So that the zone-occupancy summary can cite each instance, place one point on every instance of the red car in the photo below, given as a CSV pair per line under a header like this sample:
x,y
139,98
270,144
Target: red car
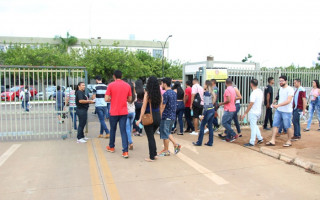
x,y
14,92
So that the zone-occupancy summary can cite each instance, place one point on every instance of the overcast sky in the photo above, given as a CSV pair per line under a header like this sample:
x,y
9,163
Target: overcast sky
x,y
275,32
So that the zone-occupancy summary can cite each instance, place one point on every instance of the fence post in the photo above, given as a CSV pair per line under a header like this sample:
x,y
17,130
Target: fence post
x,y
87,93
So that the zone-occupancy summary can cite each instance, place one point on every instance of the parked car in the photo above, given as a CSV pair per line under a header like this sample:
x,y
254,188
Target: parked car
x,y
14,93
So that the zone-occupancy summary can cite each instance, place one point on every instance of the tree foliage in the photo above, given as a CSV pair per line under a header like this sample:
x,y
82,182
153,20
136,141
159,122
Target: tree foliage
x,y
98,60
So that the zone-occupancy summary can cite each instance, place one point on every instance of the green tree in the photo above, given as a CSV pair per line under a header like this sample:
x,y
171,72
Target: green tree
x,y
67,42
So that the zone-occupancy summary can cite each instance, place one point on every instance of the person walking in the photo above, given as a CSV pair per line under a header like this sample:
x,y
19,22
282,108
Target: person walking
x,y
25,97
118,94
229,110
187,110
235,116
131,115
196,104
209,99
216,105
168,115
71,102
283,113
254,110
180,107
99,93
299,107
314,103
59,97
138,105
82,103
152,96
268,96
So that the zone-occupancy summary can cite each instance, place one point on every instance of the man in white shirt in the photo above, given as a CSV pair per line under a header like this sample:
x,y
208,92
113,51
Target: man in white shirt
x,y
283,113
254,110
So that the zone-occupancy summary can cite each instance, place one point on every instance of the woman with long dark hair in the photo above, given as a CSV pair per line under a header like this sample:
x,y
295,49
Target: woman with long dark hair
x,y
180,106
152,96
131,115
82,103
314,104
209,98
138,104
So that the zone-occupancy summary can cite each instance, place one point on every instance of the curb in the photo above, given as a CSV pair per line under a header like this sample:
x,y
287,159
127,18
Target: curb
x,y
289,159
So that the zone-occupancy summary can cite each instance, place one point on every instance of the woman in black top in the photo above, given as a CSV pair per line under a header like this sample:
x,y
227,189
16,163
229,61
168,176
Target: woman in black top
x,y
180,106
138,104
153,96
82,110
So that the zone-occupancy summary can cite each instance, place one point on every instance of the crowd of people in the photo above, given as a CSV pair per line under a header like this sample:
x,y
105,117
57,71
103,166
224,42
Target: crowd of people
x,y
161,105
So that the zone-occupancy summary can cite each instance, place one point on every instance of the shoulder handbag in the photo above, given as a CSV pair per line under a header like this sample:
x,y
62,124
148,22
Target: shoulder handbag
x,y
147,119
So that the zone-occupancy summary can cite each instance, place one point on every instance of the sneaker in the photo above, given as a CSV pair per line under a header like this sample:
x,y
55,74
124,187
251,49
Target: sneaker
x,y
179,133
85,138
196,144
294,138
206,130
158,132
177,149
81,141
194,133
260,141
305,130
164,153
248,145
100,136
268,129
221,136
109,149
125,154
107,136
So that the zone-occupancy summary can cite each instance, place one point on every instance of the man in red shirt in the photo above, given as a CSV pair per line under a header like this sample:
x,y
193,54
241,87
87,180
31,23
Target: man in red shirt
x,y
187,104
118,94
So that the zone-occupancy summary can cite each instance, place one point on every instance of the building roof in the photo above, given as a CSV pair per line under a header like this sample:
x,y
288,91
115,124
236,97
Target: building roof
x,y
102,42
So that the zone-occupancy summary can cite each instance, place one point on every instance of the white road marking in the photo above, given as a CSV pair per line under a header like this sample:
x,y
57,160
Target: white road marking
x,y
4,157
209,174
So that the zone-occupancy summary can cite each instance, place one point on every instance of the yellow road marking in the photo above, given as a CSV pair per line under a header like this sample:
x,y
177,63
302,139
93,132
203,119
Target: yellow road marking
x,y
96,183
107,176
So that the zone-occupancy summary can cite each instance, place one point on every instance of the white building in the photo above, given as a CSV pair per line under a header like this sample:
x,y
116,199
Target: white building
x,y
154,48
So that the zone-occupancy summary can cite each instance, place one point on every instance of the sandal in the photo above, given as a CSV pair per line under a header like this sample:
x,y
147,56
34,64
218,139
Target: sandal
x,y
287,145
270,144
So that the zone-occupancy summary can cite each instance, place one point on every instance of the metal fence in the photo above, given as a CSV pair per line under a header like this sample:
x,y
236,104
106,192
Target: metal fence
x,y
41,121
241,79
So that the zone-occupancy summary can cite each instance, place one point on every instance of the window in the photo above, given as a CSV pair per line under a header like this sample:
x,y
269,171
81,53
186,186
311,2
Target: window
x,y
157,53
2,48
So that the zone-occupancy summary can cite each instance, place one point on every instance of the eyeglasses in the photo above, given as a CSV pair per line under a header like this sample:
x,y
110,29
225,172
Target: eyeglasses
x,y
281,81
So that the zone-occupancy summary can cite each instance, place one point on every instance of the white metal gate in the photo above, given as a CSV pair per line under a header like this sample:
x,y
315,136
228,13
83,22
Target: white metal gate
x,y
41,121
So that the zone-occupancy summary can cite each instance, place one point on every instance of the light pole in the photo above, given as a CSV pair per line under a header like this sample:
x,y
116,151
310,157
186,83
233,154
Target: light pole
x,y
163,46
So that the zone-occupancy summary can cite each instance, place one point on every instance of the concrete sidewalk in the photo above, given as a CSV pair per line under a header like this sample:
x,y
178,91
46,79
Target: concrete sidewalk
x,y
63,169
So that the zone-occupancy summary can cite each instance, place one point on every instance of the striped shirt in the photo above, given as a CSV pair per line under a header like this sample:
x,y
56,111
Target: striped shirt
x,y
100,92
72,98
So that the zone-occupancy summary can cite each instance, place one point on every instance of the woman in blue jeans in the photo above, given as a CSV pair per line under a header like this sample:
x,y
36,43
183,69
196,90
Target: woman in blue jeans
x,y
314,103
131,115
209,98
180,106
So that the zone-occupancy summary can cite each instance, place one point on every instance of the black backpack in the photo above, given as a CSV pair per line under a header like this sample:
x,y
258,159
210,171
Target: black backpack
x,y
26,96
197,101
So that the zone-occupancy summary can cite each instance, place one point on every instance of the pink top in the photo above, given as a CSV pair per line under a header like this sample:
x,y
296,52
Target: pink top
x,y
314,94
196,88
162,90
230,92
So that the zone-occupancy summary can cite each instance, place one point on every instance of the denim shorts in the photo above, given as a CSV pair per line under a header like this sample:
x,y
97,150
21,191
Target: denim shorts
x,y
282,117
165,128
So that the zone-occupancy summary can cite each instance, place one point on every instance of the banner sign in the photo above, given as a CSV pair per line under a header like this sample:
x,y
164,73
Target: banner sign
x,y
219,74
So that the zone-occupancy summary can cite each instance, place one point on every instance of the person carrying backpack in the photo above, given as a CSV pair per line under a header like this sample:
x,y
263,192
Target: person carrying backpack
x,y
25,97
196,104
